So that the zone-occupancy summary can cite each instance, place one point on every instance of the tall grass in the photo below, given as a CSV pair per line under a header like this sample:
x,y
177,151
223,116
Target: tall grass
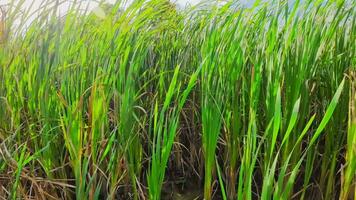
x,y
150,101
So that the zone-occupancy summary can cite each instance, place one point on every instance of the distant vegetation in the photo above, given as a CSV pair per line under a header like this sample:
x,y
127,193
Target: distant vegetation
x,y
2,23
147,101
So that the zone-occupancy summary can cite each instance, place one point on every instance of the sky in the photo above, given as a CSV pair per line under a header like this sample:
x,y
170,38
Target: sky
x,y
38,2
35,4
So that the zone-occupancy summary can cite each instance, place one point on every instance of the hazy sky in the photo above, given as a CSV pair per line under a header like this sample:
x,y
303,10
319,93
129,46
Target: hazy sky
x,y
92,3
38,2
35,4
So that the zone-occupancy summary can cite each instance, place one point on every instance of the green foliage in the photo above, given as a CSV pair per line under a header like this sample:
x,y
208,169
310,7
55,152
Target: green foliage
x,y
132,101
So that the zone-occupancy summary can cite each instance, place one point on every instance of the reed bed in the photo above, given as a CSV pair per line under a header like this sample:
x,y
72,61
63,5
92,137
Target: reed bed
x,y
150,101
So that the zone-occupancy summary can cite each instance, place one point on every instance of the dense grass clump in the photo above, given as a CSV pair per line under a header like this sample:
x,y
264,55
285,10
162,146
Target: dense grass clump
x,y
149,101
